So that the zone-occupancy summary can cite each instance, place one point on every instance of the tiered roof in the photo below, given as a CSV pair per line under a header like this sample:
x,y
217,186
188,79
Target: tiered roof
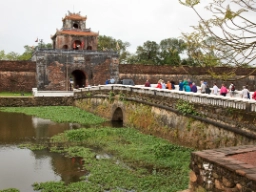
x,y
74,16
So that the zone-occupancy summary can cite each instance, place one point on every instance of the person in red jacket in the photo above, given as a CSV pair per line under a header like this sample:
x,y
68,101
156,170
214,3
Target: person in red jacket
x,y
254,95
159,85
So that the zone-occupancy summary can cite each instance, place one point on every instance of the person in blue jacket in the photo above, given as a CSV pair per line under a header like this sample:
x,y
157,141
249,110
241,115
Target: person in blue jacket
x,y
181,86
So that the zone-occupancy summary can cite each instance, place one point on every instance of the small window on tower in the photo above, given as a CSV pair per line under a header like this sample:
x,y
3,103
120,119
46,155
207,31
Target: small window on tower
x,y
75,25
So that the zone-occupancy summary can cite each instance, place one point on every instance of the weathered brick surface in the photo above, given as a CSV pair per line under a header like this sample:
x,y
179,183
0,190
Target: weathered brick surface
x,y
22,75
16,76
223,173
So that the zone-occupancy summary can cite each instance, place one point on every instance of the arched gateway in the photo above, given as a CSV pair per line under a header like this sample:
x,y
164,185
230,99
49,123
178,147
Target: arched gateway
x,y
74,54
79,78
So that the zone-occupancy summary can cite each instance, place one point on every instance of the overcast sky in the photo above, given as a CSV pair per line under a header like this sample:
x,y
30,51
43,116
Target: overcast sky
x,y
134,21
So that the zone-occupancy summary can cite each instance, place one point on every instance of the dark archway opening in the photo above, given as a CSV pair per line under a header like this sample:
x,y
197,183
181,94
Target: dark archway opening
x,y
65,47
89,48
75,25
117,118
79,79
76,44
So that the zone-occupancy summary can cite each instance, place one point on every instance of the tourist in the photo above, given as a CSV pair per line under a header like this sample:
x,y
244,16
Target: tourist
x,y
147,84
107,81
181,86
187,88
190,83
232,89
168,85
254,95
203,87
194,88
163,84
159,85
185,82
223,90
244,93
249,96
215,89
207,88
112,80
173,85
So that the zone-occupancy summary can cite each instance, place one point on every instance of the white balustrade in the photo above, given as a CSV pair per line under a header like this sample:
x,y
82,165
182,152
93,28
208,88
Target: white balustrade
x,y
209,99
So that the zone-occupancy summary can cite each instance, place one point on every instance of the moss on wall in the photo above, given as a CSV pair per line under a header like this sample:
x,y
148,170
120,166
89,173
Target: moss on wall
x,y
170,125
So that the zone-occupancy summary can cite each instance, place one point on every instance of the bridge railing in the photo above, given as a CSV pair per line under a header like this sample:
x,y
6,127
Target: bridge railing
x,y
216,100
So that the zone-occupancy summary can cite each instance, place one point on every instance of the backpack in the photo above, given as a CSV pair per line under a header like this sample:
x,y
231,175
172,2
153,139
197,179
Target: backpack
x,y
233,88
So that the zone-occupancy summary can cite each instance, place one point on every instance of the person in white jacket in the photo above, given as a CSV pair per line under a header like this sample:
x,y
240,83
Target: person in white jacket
x,y
244,93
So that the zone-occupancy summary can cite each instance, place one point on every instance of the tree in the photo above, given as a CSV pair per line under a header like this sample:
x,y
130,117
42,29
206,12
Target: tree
x,y
170,50
148,53
2,55
231,27
12,56
107,43
27,53
200,50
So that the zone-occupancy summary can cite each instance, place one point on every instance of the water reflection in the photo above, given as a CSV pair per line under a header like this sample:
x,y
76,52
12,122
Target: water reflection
x,y
20,168
16,128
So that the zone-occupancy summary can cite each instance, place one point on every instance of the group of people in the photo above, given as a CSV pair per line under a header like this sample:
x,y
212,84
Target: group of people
x,y
162,85
188,86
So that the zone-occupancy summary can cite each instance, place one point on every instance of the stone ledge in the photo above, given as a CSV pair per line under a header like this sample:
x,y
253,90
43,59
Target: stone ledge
x,y
231,167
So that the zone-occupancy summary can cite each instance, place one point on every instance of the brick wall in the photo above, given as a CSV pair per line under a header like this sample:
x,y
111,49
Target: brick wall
x,y
16,76
21,75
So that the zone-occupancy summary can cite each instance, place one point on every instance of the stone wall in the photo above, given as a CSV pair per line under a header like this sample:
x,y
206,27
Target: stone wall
x,y
35,101
55,68
97,67
17,76
140,73
214,127
223,170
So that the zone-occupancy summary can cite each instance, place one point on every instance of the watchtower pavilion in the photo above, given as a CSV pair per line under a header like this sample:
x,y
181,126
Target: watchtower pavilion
x,y
74,60
74,35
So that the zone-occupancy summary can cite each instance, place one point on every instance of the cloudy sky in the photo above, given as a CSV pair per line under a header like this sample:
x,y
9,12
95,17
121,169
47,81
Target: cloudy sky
x,y
134,21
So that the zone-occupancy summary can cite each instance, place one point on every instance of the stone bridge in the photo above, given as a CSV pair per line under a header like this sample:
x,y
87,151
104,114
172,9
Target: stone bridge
x,y
191,119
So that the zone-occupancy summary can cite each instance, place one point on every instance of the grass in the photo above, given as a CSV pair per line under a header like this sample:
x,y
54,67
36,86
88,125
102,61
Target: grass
x,y
58,114
137,162
14,94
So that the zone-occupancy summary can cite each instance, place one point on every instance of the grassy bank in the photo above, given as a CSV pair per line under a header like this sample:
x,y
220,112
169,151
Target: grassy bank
x,y
58,114
116,159
15,94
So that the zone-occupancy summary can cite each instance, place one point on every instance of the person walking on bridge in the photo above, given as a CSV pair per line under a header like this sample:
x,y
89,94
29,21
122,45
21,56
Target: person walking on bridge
x,y
159,85
215,89
181,85
223,90
147,84
203,87
254,95
244,93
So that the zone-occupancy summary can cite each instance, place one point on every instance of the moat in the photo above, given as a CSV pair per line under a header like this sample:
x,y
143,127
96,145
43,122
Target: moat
x,y
20,168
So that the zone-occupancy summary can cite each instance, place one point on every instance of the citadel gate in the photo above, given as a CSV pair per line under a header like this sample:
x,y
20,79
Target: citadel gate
x,y
74,60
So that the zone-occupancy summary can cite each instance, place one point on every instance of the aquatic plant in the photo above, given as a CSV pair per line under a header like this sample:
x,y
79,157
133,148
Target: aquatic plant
x,y
138,162
58,114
